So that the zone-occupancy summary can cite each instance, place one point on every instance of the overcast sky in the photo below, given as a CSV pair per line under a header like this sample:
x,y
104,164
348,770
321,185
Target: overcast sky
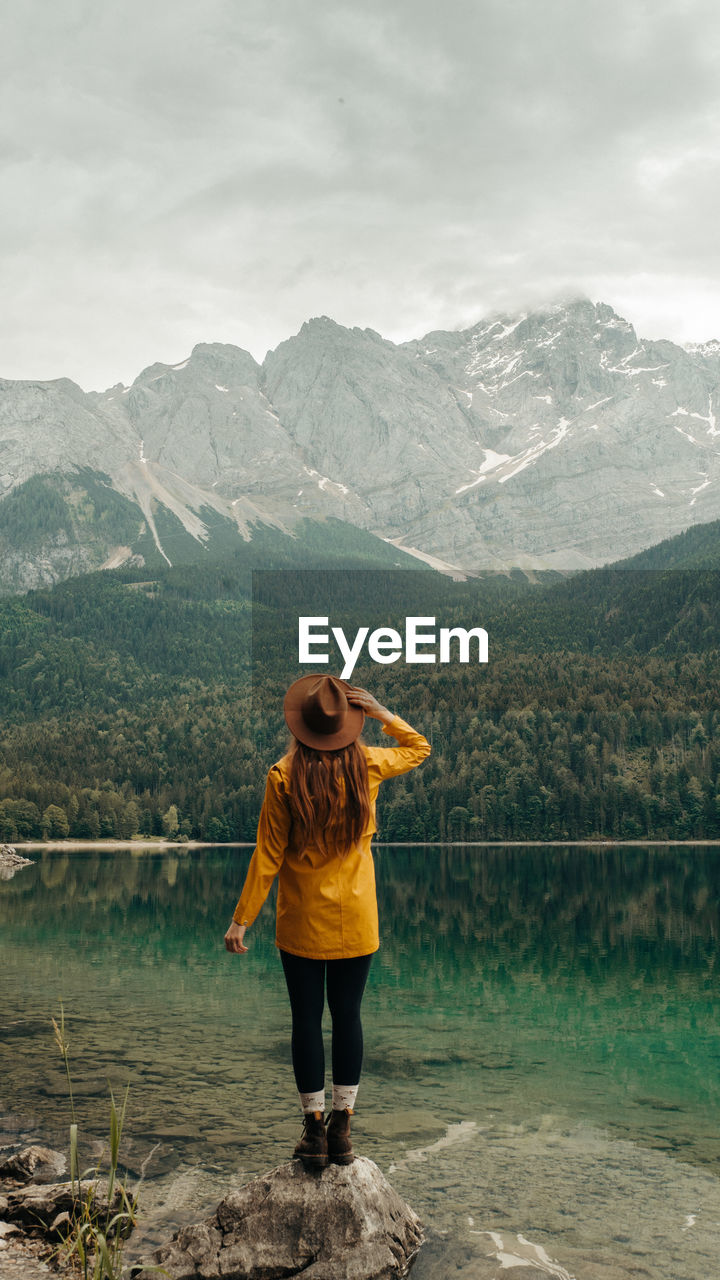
x,y
179,172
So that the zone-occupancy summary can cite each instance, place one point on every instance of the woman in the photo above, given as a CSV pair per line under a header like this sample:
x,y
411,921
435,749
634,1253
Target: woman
x,y
316,824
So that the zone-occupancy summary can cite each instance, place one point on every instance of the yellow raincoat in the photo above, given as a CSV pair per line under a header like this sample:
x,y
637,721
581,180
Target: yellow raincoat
x,y
326,904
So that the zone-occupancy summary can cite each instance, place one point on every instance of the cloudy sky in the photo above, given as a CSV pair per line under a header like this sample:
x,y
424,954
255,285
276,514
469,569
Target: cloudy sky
x,y
177,172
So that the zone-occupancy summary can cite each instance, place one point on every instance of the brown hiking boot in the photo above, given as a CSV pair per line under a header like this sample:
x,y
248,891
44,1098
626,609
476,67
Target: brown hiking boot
x,y
312,1148
338,1137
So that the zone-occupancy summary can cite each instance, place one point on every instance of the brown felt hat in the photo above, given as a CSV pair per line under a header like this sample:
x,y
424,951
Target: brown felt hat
x,y
318,713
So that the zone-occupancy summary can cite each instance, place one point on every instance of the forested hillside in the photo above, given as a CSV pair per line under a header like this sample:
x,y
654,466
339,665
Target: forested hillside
x,y
131,705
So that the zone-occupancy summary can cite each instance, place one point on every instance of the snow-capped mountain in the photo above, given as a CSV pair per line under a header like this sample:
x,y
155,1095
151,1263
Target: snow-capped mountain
x,y
554,439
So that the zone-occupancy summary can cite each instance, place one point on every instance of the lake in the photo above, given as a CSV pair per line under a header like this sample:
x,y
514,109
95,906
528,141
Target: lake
x,y
542,1044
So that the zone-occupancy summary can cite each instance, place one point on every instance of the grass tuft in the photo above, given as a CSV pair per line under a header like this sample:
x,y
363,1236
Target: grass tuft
x,y
92,1243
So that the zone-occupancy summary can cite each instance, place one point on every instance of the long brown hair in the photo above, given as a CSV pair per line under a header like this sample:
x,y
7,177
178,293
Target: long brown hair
x,y
329,796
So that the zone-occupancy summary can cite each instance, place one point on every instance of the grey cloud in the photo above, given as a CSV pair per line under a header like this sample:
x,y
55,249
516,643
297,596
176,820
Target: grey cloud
x,y
176,173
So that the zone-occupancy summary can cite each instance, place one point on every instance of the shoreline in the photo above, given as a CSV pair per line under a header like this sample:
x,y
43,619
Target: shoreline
x,y
158,846
155,846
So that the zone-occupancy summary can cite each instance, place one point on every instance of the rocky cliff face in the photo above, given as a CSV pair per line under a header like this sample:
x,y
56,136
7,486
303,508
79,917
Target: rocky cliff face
x,y
589,440
555,439
48,426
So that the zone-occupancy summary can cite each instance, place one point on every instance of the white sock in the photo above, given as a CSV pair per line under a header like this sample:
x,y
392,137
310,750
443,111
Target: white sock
x,y
344,1096
313,1101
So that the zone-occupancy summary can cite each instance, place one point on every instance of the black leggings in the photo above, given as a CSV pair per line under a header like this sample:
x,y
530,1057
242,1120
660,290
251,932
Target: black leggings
x,y
306,987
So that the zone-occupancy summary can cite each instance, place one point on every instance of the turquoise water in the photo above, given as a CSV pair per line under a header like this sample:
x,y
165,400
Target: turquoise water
x,y
542,1043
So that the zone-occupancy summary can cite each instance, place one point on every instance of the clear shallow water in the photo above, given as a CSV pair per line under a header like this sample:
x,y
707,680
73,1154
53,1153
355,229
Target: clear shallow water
x,y
542,1043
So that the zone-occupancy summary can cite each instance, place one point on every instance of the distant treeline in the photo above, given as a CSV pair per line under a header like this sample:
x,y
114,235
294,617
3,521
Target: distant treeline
x,y
128,705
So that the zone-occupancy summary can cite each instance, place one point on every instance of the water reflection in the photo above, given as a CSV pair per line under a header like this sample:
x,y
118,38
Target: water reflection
x,y
613,900
521,997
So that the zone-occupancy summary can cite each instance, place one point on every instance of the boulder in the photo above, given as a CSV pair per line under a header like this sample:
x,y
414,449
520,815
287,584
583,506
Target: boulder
x,y
33,1164
35,1213
39,1206
338,1223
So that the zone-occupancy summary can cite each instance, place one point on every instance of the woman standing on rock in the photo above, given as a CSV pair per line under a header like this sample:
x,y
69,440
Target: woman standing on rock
x,y
316,824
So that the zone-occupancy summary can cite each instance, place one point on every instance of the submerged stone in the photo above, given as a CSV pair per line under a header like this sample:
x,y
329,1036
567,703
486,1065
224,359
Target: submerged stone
x,y
338,1223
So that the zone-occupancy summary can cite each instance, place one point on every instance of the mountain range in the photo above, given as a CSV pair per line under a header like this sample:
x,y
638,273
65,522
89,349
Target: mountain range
x,y
556,439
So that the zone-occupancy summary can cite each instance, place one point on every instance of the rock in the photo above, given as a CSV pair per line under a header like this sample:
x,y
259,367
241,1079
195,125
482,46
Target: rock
x,y
24,1258
61,1224
33,1164
10,862
40,1205
340,1223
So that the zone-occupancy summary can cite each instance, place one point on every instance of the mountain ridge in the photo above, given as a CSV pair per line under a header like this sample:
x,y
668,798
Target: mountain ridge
x,y
547,439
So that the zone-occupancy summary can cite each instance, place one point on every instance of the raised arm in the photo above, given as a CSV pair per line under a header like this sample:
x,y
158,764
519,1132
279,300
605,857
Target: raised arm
x,y
272,840
389,761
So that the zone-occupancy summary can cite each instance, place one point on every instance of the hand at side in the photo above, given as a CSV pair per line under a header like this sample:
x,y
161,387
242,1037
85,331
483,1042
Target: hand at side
x,y
234,939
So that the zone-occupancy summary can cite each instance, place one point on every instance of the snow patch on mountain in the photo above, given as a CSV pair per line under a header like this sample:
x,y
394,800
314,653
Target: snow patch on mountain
x,y
324,481
492,461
